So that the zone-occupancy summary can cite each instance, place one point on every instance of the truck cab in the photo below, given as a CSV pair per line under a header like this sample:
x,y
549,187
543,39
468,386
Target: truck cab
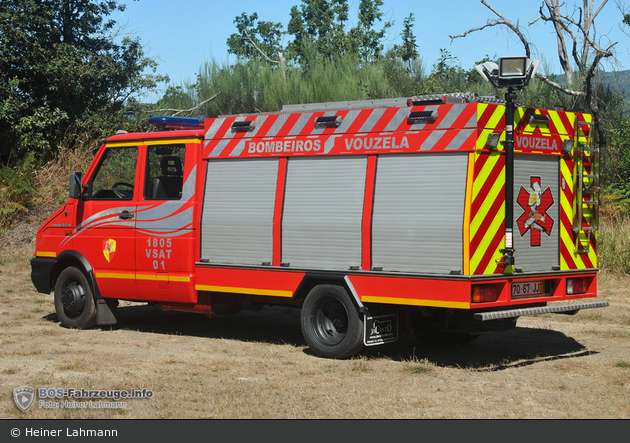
x,y
127,231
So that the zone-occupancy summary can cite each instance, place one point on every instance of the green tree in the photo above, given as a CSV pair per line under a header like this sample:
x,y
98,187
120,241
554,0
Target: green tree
x,y
447,75
59,64
321,22
255,39
408,50
366,40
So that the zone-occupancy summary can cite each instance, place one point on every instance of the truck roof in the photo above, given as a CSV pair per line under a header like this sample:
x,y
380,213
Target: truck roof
x,y
133,136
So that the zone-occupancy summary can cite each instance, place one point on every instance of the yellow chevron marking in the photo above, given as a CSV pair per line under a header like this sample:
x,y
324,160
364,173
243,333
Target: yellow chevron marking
x,y
496,257
493,122
555,118
490,234
497,117
567,206
488,167
567,239
518,114
481,215
566,235
495,225
469,191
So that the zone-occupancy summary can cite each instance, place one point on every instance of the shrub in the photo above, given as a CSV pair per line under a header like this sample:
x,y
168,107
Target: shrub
x,y
16,194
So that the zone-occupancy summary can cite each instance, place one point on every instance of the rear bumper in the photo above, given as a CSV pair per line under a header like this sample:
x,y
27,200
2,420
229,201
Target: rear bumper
x,y
559,309
41,269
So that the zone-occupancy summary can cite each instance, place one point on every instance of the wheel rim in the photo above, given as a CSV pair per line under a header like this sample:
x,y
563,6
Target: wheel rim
x,y
330,321
73,299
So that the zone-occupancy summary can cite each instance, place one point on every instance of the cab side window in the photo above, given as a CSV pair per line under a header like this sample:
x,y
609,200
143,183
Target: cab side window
x,y
165,172
115,175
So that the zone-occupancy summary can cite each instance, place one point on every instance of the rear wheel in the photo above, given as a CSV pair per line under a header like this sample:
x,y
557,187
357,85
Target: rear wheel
x,y
331,324
74,302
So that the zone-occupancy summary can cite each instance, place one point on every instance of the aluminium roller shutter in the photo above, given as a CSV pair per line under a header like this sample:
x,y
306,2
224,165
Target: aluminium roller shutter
x,y
323,209
237,218
417,223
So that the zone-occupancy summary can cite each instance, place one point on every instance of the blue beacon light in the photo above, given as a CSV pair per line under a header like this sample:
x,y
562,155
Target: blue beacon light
x,y
166,122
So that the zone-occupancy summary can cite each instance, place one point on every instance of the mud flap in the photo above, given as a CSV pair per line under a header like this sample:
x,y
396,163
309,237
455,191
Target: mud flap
x,y
106,311
380,325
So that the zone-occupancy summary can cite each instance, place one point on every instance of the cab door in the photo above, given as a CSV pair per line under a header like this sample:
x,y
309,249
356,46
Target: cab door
x,y
106,222
165,241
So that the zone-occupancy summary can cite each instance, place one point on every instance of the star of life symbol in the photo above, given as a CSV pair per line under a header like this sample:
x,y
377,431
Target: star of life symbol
x,y
535,203
24,397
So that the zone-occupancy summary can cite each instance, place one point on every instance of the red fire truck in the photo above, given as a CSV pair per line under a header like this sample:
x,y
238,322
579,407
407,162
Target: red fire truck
x,y
363,214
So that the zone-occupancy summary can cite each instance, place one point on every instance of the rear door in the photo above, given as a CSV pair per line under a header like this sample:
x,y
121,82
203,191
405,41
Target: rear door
x,y
536,212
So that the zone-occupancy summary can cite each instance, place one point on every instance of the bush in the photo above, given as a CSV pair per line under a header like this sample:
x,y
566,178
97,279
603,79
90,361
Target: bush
x,y
613,245
16,195
613,237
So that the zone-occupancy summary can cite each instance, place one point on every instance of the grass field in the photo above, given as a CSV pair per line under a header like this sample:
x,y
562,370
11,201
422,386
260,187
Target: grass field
x,y
256,364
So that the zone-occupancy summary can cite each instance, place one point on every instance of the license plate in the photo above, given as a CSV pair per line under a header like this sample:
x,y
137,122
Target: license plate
x,y
524,288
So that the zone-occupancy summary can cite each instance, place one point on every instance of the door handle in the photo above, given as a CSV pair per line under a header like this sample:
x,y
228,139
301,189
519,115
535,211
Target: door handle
x,y
125,215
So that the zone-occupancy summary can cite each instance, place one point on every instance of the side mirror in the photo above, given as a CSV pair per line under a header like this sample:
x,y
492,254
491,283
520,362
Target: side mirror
x,y
76,187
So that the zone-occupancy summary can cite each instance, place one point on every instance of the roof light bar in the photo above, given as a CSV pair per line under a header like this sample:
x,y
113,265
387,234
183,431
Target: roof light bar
x,y
538,119
423,116
244,126
426,100
164,122
329,120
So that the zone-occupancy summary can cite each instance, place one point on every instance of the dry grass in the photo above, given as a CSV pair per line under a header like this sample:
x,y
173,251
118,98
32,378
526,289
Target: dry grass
x,y
52,180
256,364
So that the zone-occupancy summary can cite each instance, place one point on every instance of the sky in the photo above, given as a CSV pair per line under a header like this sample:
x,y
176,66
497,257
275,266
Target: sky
x,y
183,34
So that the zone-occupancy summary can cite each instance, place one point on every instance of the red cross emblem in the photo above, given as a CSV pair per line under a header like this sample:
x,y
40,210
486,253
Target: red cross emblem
x,y
535,203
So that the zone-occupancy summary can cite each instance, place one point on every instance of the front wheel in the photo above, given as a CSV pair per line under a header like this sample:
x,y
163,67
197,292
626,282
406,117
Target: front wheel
x,y
74,302
331,324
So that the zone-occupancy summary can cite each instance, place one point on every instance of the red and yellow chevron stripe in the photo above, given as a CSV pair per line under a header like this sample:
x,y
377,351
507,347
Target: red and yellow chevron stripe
x,y
487,213
485,221
570,241
490,119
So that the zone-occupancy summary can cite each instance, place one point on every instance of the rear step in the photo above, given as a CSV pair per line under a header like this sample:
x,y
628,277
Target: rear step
x,y
559,309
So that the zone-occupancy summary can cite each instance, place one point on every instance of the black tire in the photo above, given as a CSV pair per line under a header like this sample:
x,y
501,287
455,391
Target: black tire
x,y
331,324
74,302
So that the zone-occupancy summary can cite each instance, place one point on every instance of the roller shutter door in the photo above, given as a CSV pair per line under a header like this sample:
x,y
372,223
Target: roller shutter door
x,y
323,208
418,213
536,245
237,218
